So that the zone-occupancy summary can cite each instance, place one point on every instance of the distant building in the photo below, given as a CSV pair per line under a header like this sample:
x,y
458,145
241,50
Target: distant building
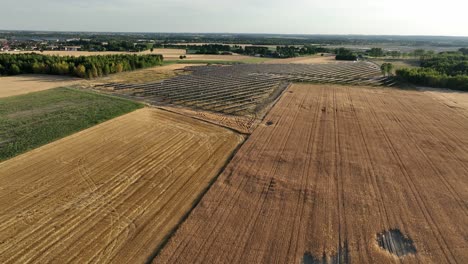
x,y
4,47
72,48
52,47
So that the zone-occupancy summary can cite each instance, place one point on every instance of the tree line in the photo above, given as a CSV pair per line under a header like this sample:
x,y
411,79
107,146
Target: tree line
x,y
444,70
345,54
278,52
83,66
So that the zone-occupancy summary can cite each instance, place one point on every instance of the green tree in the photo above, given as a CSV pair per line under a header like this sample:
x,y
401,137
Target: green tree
x,y
14,69
387,69
80,71
376,52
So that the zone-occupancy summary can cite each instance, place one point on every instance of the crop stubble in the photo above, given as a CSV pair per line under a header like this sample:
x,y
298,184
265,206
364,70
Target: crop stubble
x,y
110,193
330,170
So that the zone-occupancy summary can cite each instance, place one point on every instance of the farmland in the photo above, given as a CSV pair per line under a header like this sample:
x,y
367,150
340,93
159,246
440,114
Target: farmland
x,y
31,120
235,159
111,193
338,174
167,53
28,83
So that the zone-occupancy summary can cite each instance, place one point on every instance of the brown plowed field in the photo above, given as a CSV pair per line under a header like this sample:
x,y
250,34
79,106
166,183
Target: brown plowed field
x,y
111,193
329,173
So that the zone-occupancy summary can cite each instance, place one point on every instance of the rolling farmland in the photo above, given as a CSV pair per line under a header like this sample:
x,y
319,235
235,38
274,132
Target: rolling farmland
x,y
32,120
111,193
338,174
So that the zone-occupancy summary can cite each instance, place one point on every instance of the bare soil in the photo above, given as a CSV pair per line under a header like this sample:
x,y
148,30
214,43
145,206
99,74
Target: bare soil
x,y
331,170
111,193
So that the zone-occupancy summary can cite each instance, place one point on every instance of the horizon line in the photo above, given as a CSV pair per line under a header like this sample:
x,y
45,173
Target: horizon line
x,y
233,33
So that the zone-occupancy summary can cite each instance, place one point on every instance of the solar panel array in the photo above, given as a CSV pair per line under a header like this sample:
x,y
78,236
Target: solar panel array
x,y
244,88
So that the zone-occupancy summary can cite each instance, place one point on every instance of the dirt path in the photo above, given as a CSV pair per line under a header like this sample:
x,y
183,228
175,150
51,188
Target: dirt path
x,y
339,175
108,194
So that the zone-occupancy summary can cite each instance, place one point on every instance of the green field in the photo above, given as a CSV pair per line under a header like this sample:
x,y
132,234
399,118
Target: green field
x,y
32,120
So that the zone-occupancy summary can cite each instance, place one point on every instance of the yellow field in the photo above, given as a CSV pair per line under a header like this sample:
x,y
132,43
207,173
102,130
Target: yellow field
x,y
316,59
23,84
146,75
165,52
169,54
111,193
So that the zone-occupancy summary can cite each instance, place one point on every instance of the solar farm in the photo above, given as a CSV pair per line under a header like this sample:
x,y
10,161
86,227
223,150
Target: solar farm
x,y
245,88
248,163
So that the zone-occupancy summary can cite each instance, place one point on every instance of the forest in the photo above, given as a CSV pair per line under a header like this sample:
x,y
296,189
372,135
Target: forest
x,y
444,70
279,52
83,66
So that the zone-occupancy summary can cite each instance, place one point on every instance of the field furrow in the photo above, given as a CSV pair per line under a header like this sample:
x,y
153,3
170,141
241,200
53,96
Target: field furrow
x,y
338,174
111,193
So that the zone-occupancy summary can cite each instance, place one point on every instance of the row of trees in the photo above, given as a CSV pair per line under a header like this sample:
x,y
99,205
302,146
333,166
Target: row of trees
x,y
113,45
387,69
433,78
279,52
445,70
379,52
345,54
83,66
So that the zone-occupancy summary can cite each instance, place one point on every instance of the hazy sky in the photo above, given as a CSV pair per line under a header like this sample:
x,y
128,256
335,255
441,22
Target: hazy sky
x,y
399,17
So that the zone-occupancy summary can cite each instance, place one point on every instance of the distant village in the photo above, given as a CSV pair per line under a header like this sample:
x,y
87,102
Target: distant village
x,y
72,44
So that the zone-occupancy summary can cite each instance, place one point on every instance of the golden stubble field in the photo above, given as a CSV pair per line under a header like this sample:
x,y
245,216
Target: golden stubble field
x,y
111,193
169,54
339,174
28,83
175,53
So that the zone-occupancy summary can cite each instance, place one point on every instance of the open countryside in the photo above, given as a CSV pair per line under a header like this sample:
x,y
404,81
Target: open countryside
x,y
331,169
122,185
155,132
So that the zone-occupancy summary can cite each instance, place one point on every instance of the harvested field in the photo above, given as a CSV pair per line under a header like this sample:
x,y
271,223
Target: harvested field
x,y
146,75
32,120
316,59
167,53
456,100
108,194
214,58
338,174
28,83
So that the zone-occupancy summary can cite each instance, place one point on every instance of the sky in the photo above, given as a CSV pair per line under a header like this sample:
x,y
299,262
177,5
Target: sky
x,y
368,17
